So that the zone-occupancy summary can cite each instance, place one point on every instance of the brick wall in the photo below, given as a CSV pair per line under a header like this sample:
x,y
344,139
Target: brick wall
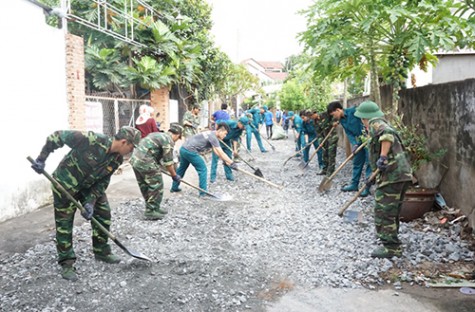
x,y
159,101
75,82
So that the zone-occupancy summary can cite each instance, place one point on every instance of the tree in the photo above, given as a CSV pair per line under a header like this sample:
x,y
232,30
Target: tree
x,y
388,37
169,51
292,96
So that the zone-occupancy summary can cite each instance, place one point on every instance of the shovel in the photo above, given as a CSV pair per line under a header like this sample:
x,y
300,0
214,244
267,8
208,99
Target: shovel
x,y
301,150
326,183
348,204
257,171
197,188
273,148
58,186
304,165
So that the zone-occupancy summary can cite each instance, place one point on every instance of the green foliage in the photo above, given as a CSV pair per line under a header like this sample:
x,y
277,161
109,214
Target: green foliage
x,y
104,67
416,144
292,96
172,52
343,37
149,74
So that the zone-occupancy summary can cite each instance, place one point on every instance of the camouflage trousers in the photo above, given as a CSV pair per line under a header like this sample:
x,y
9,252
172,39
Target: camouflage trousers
x,y
64,211
329,154
388,201
150,181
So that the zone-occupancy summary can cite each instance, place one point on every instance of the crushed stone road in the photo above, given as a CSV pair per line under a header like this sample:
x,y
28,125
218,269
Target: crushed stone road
x,y
264,249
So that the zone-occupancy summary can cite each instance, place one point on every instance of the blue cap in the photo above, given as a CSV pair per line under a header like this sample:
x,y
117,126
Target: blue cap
x,y
290,114
265,107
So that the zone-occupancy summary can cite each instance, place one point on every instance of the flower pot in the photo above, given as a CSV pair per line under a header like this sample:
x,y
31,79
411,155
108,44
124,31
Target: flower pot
x,y
417,202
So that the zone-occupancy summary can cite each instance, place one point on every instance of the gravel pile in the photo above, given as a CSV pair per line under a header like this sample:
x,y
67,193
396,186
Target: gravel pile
x,y
231,255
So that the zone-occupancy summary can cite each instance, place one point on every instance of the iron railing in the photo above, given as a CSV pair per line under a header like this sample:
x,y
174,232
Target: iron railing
x,y
117,112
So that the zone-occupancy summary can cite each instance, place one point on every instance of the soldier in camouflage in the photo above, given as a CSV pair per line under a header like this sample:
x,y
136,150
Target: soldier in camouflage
x,y
387,153
153,151
325,124
191,122
85,172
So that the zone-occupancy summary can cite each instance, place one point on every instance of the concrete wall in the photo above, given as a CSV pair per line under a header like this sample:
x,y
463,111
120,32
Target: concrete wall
x,y
446,115
33,93
454,67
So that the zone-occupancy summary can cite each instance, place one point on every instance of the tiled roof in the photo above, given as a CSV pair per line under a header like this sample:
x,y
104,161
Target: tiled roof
x,y
277,65
277,76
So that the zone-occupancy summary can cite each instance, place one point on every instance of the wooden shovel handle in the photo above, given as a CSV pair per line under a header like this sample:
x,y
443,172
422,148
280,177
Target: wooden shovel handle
x,y
348,204
261,179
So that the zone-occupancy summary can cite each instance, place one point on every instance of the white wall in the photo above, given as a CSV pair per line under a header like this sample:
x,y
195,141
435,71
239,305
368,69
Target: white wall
x,y
423,78
454,67
33,96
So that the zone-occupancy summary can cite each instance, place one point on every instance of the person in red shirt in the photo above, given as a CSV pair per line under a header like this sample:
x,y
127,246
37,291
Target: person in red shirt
x,y
145,123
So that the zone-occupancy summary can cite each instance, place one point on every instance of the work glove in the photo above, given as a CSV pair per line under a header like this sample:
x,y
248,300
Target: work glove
x,y
233,165
39,165
176,178
354,148
382,163
88,211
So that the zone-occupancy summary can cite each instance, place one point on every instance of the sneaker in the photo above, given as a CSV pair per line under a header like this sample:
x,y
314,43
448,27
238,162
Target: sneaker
x,y
212,181
385,252
264,151
350,188
175,190
365,192
154,215
110,258
322,172
68,272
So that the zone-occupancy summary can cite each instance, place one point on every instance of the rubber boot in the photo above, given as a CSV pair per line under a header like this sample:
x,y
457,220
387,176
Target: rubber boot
x,y
365,192
350,188
154,215
68,272
387,252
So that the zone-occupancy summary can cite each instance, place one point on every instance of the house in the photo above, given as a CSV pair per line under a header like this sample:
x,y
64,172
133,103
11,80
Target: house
x,y
271,74
452,66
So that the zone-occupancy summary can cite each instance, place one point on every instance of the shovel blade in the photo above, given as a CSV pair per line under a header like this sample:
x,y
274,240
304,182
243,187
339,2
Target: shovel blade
x,y
133,253
303,165
258,173
325,185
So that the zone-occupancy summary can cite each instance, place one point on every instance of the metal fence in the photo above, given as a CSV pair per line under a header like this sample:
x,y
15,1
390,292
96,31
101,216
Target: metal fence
x,y
116,112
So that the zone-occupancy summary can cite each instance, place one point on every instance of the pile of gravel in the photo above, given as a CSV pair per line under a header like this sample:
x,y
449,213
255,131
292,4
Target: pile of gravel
x,y
231,255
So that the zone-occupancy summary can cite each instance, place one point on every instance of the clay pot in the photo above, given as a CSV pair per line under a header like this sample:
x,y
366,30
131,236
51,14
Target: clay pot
x,y
417,202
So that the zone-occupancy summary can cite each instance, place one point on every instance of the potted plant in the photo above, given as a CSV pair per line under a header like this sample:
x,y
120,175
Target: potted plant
x,y
418,199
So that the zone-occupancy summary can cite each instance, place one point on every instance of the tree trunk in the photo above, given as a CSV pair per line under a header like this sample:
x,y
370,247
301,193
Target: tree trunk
x,y
375,94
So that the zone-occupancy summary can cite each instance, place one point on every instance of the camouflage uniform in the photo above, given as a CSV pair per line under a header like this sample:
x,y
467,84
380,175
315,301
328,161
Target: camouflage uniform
x,y
155,148
391,184
85,173
189,131
325,124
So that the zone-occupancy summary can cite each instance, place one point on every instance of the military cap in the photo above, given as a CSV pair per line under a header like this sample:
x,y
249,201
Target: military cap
x,y
176,129
368,110
131,134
